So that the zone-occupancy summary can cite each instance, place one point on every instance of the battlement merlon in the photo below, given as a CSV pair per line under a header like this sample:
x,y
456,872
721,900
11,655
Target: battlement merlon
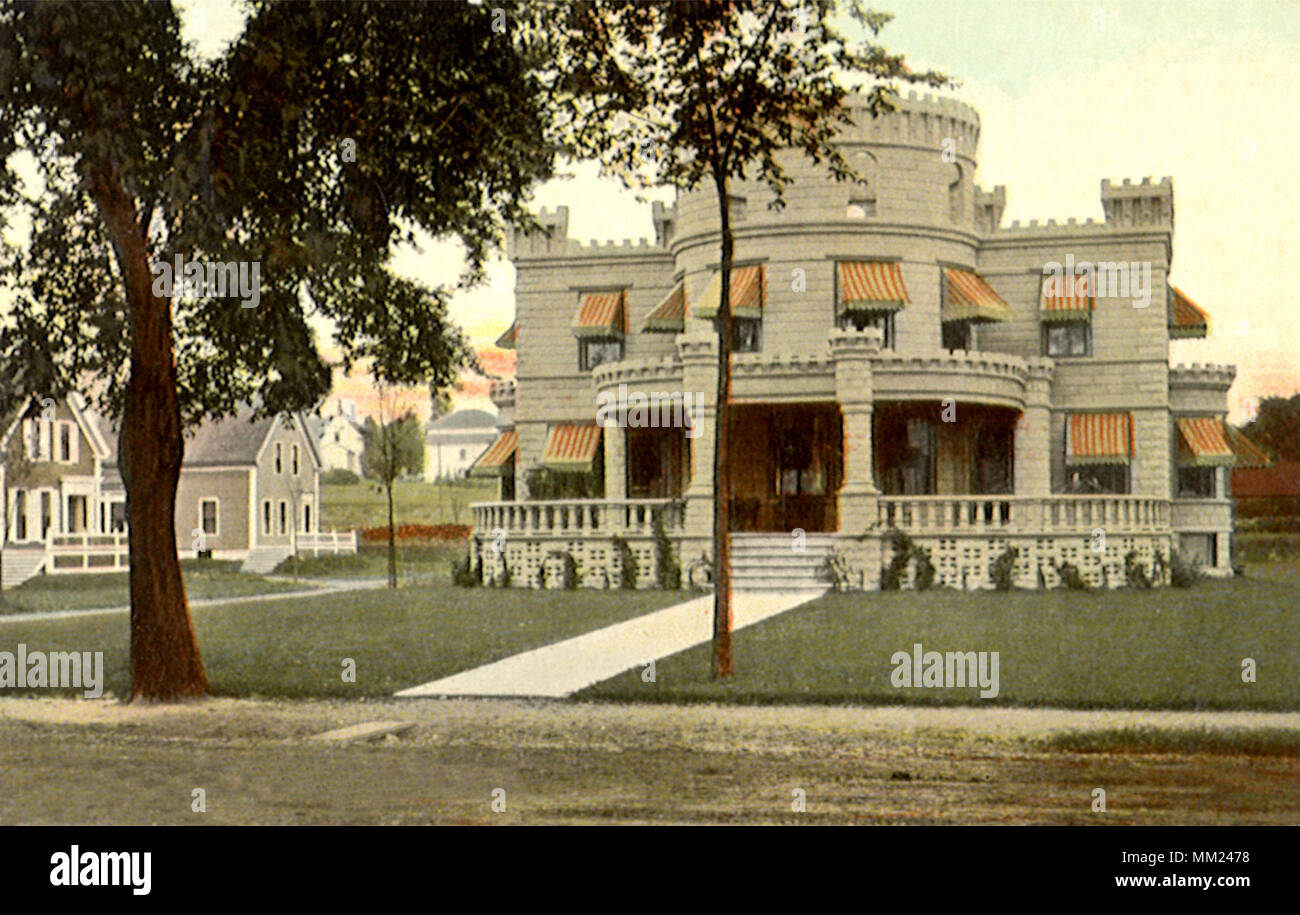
x,y
989,207
1215,377
1146,204
665,222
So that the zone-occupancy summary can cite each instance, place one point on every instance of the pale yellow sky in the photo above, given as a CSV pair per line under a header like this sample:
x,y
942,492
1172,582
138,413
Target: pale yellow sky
x,y
1069,92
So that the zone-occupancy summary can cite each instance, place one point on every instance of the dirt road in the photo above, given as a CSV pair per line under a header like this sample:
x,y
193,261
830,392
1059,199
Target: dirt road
x,y
69,762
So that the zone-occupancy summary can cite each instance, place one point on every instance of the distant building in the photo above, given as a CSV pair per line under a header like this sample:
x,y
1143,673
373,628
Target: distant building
x,y
338,439
454,442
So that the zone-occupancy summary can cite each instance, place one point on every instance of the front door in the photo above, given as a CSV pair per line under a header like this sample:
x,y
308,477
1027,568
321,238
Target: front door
x,y
786,467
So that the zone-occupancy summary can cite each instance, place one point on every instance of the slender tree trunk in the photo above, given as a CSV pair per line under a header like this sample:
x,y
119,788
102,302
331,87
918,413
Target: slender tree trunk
x,y
165,661
392,538
721,472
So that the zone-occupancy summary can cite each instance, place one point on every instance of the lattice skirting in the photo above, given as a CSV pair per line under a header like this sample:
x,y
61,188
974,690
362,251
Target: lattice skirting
x,y
534,563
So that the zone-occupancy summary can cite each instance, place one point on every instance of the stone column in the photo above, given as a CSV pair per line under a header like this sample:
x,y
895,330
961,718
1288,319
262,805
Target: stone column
x,y
851,352
698,352
1032,463
615,439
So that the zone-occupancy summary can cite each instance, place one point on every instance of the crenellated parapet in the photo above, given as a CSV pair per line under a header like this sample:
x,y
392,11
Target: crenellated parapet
x,y
925,120
551,240
1146,204
1218,377
989,207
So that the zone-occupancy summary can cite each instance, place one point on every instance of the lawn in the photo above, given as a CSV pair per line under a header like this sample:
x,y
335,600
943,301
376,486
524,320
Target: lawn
x,y
203,579
1168,648
295,647
365,504
416,562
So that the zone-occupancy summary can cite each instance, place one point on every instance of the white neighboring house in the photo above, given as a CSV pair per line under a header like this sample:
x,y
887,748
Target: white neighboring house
x,y
455,441
338,440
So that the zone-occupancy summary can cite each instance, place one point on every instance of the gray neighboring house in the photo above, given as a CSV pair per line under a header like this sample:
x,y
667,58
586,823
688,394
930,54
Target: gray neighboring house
x,y
455,441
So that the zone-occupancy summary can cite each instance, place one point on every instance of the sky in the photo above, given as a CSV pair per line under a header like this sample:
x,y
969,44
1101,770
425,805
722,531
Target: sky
x,y
1069,93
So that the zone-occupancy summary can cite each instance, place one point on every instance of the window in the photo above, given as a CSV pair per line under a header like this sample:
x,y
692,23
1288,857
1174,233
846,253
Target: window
x,y
306,517
293,459
65,443
266,517
958,335
746,335
1196,482
737,206
860,208
284,517
861,320
116,517
279,458
38,439
464,453
20,515
208,516
594,352
1071,338
1085,479
47,513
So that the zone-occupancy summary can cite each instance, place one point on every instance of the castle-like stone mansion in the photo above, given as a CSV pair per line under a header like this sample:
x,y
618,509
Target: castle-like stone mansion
x,y
902,361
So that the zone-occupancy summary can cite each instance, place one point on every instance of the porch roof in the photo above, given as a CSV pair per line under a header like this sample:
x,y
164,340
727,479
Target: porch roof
x,y
967,297
669,316
1249,455
1067,300
871,286
1203,442
1099,438
601,314
748,292
499,456
571,446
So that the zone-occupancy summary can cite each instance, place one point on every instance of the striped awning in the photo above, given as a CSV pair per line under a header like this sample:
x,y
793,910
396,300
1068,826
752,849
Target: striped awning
x,y
1249,455
601,314
669,316
499,459
1099,438
1203,442
1186,318
871,286
1067,299
748,291
966,297
571,446
510,338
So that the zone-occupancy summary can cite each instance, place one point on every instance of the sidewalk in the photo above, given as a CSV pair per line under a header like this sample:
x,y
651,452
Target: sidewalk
x,y
566,667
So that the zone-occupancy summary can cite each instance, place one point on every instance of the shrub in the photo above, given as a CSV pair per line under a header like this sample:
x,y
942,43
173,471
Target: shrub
x,y
571,574
924,569
627,562
1159,569
1134,573
507,577
340,477
1183,573
836,568
668,572
891,575
464,572
1002,570
1070,577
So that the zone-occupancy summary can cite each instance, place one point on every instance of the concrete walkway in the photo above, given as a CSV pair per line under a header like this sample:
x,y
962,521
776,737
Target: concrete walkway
x,y
558,670
311,587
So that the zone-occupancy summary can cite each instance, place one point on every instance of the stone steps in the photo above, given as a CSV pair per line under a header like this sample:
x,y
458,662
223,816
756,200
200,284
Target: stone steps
x,y
768,562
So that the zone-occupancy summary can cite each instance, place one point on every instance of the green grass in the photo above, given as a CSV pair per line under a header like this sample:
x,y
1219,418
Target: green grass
x,y
416,562
1221,741
203,579
294,647
1269,547
365,504
1168,648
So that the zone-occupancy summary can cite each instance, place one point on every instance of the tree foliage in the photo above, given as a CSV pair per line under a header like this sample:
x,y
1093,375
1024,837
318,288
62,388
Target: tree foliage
x,y
1277,427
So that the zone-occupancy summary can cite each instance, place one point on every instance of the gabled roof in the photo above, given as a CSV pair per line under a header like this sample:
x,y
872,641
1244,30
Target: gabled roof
x,y
86,419
465,421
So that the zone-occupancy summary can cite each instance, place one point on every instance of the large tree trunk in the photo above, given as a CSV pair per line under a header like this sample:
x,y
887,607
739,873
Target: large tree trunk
x,y
165,662
721,473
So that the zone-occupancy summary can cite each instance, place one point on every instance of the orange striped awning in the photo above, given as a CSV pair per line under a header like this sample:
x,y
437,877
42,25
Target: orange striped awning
x,y
1067,299
1203,442
1249,455
1099,438
601,314
510,338
748,292
966,297
1186,318
571,446
871,286
499,459
669,316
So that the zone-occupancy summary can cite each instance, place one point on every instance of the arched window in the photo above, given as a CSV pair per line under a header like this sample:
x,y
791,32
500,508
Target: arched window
x,y
862,197
956,194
